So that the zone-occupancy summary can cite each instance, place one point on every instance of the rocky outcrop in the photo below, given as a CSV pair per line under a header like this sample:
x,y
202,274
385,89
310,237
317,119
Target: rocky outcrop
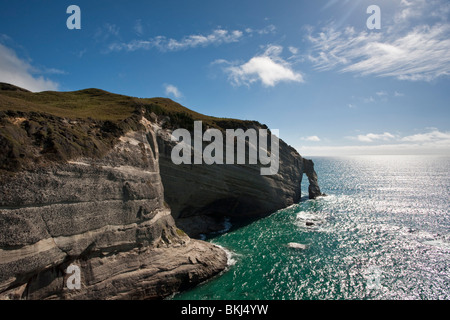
x,y
87,181
313,188
108,217
203,196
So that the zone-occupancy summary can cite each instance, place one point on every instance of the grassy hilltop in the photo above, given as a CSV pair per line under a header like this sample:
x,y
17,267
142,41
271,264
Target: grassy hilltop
x,y
38,128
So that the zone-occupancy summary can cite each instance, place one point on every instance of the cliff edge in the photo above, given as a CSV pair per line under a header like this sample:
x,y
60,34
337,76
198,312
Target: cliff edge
x,y
86,181
203,198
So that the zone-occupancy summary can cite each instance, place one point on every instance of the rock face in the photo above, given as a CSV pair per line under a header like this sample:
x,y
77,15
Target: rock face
x,y
313,188
201,196
87,183
108,217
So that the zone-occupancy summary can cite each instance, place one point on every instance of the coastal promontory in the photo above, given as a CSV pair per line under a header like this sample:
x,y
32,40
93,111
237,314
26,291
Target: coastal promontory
x,y
86,180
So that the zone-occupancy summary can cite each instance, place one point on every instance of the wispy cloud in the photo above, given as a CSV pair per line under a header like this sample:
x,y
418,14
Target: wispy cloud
x,y
312,139
431,141
421,54
378,97
138,27
216,37
369,100
270,29
411,11
106,32
371,137
410,50
433,136
53,71
21,73
293,50
173,91
268,68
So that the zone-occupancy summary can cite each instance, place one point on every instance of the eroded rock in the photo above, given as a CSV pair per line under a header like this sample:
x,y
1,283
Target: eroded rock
x,y
108,217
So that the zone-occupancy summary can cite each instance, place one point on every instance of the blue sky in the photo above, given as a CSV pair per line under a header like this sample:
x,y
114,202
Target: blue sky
x,y
311,69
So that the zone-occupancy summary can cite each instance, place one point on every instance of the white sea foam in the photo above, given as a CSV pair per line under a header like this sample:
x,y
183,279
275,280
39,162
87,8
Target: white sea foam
x,y
231,261
307,217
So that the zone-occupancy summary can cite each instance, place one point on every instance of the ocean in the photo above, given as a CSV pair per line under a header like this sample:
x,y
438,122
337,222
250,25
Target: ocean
x,y
383,232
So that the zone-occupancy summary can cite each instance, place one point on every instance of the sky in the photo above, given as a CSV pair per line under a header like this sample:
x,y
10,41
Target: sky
x,y
312,69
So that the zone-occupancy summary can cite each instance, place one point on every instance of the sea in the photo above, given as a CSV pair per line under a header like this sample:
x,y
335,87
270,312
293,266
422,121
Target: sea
x,y
382,233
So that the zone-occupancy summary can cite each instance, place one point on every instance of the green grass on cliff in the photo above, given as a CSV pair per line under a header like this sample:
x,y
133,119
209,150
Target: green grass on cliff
x,y
38,128
102,105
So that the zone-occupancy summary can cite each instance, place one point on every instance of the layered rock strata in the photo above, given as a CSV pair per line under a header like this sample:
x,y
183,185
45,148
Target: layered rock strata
x,y
203,196
106,216
87,183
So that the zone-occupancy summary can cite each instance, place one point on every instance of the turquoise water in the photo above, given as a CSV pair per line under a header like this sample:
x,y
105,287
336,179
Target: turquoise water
x,y
382,233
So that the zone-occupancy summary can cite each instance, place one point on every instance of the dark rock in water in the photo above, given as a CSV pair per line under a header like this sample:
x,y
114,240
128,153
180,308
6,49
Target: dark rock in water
x,y
200,195
309,223
313,189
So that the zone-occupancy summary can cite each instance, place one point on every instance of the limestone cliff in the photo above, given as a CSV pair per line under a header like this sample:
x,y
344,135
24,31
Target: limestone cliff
x,y
203,196
86,179
105,215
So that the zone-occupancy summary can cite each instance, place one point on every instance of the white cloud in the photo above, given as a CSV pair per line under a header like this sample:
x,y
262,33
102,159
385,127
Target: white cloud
x,y
419,9
411,50
293,50
20,73
381,93
431,142
386,149
419,55
216,37
371,137
312,139
112,29
171,90
266,30
432,136
138,27
53,71
369,100
398,94
220,61
106,31
269,68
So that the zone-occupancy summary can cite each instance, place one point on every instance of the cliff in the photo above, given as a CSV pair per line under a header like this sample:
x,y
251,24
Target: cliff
x,y
86,180
203,197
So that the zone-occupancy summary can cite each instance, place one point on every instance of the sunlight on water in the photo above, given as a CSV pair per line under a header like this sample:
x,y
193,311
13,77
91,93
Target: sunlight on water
x,y
382,233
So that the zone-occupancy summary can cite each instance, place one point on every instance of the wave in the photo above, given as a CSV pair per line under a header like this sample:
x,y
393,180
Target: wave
x,y
231,261
310,219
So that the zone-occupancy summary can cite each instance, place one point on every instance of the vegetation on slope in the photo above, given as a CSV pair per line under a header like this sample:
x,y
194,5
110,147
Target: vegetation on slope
x,y
40,128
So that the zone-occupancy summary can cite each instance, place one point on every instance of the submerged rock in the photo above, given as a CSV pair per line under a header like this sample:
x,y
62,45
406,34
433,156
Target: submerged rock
x,y
295,245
